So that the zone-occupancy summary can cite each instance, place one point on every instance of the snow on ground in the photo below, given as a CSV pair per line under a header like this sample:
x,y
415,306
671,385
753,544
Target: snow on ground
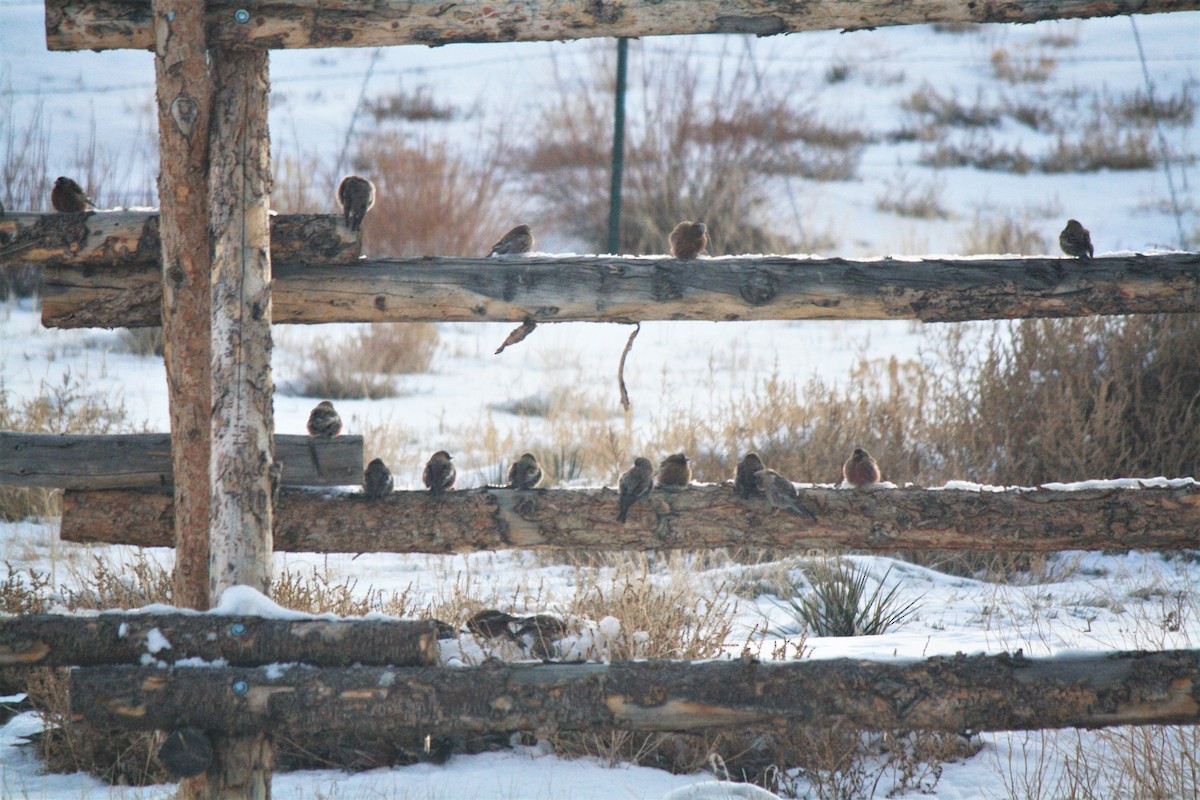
x,y
1079,601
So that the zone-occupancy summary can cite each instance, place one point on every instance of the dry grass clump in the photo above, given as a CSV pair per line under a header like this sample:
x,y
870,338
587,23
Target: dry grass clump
x,y
63,407
142,341
367,363
1025,65
948,111
693,151
1140,108
1005,232
908,199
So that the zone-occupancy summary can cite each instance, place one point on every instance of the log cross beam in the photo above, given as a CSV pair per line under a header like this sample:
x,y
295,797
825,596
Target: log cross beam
x,y
698,517
638,289
112,24
955,694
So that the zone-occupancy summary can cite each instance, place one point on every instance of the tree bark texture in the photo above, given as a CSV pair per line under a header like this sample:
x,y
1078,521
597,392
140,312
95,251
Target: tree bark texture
x,y
107,240
54,640
960,693
1024,520
185,266
143,460
635,289
109,24
242,419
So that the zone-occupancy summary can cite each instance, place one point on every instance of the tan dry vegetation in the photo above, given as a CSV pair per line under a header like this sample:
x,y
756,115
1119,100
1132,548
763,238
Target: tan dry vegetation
x,y
367,362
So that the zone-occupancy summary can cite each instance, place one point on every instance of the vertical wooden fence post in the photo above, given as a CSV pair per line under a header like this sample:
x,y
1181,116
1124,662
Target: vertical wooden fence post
x,y
184,105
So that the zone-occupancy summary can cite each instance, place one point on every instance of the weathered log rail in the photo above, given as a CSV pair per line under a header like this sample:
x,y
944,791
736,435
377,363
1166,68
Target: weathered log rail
x,y
700,516
112,24
143,460
53,640
636,289
976,693
110,240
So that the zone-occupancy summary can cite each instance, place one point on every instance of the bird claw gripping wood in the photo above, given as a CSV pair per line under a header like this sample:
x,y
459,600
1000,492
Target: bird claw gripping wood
x,y
518,334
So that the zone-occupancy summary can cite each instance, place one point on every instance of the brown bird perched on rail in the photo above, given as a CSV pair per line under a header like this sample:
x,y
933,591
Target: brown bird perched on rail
x,y
1075,240
377,480
689,239
355,195
860,469
439,473
780,492
674,470
67,197
525,473
324,422
518,240
492,623
636,484
744,483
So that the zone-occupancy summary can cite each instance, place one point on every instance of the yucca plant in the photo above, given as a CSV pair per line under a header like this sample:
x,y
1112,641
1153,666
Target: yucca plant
x,y
840,604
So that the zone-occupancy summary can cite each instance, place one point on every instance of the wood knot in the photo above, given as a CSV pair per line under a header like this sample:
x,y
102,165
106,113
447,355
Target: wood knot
x,y
665,288
605,13
381,302
759,288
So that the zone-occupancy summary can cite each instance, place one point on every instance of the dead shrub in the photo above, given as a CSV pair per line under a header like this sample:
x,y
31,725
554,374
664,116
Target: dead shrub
x,y
694,149
1140,108
142,341
417,105
367,363
908,199
948,111
1003,233
1023,66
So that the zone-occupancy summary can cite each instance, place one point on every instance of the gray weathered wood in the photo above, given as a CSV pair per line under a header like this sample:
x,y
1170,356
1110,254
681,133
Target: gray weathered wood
x,y
698,517
56,640
143,460
110,239
108,24
977,693
616,289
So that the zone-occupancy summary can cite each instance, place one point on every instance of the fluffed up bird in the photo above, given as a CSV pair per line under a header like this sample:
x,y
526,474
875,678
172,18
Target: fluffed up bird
x,y
324,422
636,484
492,623
1075,240
780,492
518,240
744,483
525,473
674,470
540,632
377,480
67,197
355,195
439,473
860,469
689,239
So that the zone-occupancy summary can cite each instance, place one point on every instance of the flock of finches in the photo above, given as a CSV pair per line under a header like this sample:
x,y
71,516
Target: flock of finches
x,y
751,479
356,195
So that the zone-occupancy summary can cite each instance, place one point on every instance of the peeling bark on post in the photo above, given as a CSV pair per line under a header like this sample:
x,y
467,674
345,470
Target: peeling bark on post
x,y
956,694
106,24
184,105
64,640
242,421
698,517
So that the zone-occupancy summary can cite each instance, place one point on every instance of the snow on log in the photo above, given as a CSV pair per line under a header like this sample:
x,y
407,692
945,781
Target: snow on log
x,y
52,640
143,460
626,289
109,24
957,694
700,516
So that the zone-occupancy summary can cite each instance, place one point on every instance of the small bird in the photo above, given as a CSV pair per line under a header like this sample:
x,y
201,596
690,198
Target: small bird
x,y
377,480
355,195
518,240
1075,240
439,473
744,484
780,492
674,470
539,633
324,422
525,473
860,469
492,623
67,196
689,239
635,485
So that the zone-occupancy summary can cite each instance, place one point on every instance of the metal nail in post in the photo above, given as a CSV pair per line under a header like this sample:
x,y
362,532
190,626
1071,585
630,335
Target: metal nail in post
x,y
242,15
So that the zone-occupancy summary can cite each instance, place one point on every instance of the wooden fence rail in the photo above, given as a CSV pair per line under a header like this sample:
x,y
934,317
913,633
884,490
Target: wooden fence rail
x,y
53,640
976,693
143,460
108,240
700,516
109,24
633,289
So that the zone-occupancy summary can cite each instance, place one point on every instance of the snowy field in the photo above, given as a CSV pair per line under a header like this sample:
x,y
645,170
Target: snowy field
x,y
1078,602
